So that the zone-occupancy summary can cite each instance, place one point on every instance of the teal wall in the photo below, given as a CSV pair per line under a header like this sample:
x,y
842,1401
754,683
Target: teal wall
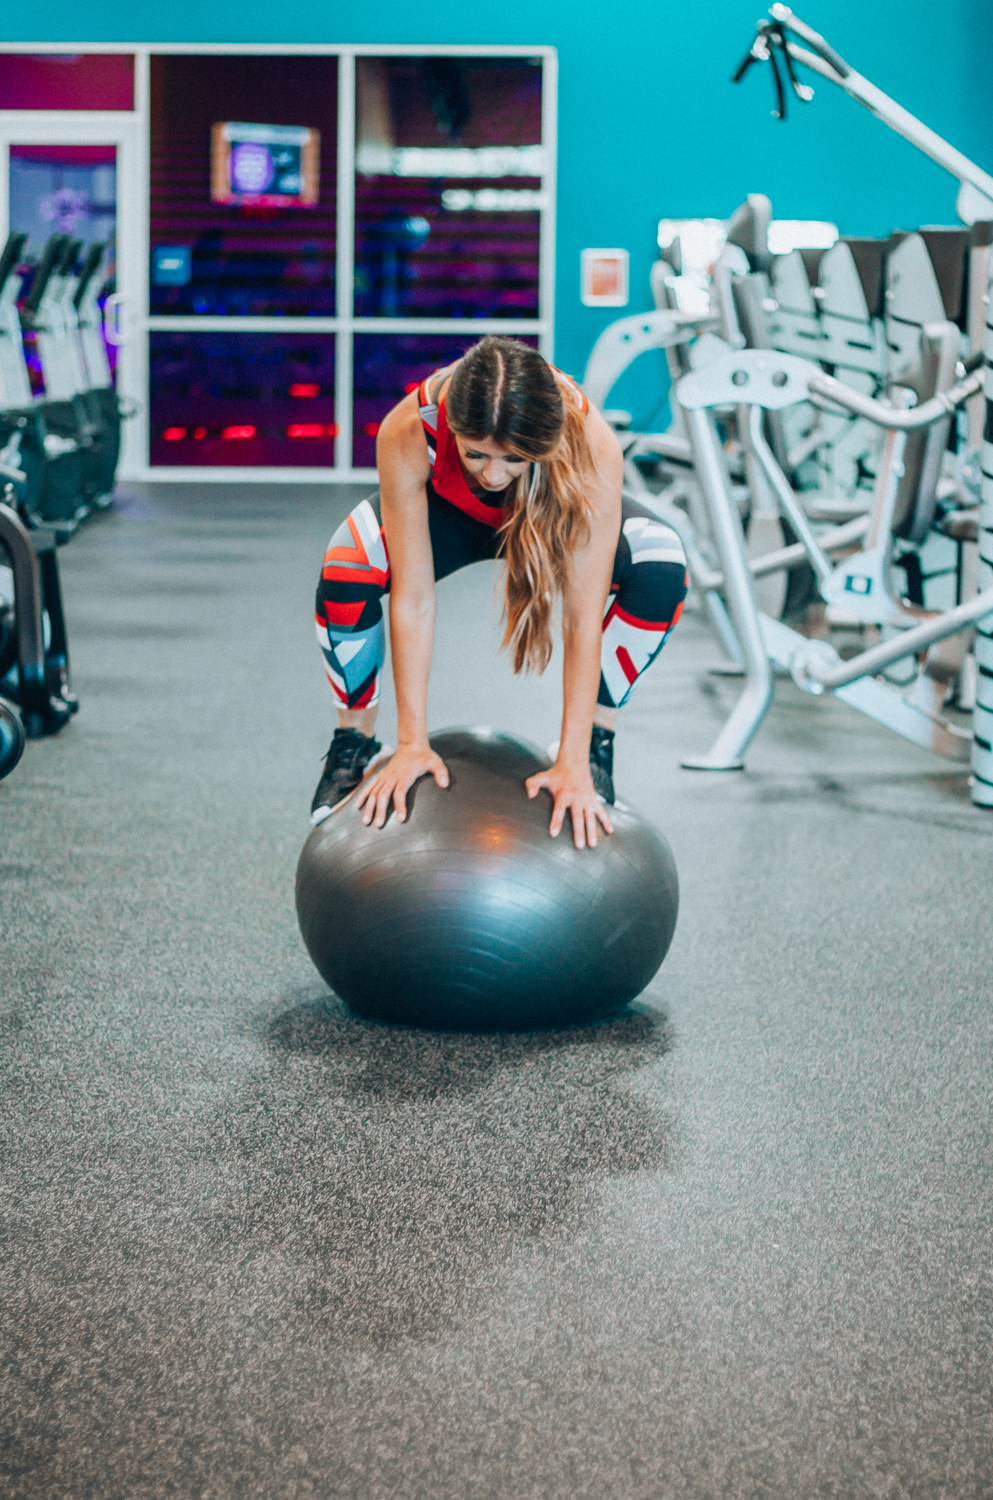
x,y
648,123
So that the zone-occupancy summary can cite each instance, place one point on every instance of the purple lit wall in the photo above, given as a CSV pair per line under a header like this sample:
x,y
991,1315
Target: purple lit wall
x,y
245,260
62,80
242,398
413,256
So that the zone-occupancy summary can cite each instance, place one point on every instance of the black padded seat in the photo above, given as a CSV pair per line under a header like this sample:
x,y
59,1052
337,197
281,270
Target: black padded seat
x,y
869,255
948,248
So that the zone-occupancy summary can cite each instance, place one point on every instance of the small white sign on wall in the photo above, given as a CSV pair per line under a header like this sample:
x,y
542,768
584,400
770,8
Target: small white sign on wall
x,y
604,278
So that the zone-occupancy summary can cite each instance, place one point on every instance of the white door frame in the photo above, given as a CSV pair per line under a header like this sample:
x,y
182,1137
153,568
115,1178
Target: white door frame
x,y
86,128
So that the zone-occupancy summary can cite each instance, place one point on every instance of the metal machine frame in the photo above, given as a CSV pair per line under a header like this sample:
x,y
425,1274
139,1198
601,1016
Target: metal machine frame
x,y
763,381
42,692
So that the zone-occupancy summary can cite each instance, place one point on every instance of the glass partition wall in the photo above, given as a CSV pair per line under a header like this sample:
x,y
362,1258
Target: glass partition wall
x,y
294,237
326,228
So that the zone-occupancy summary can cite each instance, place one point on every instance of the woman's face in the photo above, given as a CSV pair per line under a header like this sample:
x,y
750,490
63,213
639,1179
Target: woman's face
x,y
492,467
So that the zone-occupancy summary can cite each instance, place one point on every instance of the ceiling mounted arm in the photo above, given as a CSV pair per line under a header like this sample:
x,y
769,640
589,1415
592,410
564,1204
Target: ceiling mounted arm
x,y
777,36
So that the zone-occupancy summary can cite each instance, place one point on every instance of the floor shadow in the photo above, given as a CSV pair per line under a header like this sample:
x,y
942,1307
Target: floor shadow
x,y
400,1169
935,799
406,1063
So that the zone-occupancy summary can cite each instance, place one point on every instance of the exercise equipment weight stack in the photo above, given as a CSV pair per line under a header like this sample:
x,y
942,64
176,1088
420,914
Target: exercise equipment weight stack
x,y
982,741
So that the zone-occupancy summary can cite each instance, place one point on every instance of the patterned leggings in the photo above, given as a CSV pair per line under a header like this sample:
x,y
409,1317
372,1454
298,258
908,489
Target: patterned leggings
x,y
646,595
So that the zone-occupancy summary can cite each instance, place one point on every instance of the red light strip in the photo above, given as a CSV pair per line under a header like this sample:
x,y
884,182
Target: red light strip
x,y
246,430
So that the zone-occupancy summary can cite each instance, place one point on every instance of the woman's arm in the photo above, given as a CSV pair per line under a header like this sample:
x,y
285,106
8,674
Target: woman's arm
x,y
402,461
584,597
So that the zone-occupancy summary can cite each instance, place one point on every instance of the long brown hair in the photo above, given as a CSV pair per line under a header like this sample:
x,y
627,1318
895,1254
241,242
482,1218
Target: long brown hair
x,y
505,391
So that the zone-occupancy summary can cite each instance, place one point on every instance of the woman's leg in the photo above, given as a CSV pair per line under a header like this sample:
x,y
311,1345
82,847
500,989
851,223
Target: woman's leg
x,y
355,576
646,600
647,594
349,619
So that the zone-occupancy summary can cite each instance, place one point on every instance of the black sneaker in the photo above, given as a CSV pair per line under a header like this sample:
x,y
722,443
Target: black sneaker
x,y
349,757
602,762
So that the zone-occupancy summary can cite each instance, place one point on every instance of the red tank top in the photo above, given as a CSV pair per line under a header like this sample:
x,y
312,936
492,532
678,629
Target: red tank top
x,y
447,476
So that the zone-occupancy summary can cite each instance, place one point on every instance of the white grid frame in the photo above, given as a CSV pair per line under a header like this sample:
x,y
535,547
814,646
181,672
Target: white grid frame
x,y
133,244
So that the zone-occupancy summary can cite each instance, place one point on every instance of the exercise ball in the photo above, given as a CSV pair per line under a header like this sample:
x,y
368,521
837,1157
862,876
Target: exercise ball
x,y
469,916
11,739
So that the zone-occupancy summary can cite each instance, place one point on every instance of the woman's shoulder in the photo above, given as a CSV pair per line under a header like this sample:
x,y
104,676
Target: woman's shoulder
x,y
401,429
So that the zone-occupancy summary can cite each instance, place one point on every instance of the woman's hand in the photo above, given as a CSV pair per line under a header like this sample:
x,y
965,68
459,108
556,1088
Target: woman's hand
x,y
572,790
394,780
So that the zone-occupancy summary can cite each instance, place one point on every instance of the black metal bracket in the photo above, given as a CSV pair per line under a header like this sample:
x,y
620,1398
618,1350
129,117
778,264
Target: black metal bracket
x,y
43,693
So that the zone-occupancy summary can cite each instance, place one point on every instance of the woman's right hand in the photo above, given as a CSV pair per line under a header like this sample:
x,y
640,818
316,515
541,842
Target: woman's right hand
x,y
394,779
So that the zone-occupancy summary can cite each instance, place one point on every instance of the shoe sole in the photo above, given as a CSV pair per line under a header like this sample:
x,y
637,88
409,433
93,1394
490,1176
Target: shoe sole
x,y
321,814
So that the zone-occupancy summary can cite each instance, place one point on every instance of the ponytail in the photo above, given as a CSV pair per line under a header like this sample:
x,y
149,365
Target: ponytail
x,y
503,390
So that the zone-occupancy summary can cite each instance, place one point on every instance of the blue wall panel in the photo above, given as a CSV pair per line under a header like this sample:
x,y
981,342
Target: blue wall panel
x,y
649,124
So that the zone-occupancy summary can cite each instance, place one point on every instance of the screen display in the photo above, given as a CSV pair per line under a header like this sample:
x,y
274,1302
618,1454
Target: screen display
x,y
273,166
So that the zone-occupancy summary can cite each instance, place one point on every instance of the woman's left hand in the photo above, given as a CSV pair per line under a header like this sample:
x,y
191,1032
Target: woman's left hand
x,y
572,791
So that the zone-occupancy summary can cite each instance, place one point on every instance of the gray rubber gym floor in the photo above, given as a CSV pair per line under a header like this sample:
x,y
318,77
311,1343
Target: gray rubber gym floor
x,y
735,1244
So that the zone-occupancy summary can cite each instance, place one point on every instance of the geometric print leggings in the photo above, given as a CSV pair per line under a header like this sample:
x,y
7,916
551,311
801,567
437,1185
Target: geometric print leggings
x,y
646,594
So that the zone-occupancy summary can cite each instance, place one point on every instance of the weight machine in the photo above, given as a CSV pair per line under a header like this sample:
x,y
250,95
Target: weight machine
x,y
759,381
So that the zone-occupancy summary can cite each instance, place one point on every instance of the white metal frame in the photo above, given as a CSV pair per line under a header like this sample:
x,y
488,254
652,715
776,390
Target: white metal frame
x,y
131,133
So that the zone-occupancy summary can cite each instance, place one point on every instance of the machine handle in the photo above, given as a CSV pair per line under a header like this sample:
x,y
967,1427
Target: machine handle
x,y
787,19
824,390
113,323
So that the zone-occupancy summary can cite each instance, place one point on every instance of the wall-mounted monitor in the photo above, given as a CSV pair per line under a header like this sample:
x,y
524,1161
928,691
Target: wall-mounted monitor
x,y
272,166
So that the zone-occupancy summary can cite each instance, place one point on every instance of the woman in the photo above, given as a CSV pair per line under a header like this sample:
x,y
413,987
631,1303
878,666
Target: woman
x,y
497,456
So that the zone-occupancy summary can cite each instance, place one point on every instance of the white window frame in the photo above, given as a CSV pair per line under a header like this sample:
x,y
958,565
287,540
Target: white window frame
x,y
133,242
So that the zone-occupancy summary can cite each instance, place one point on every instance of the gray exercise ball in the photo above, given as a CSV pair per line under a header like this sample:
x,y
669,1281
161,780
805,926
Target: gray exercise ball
x,y
470,917
11,738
